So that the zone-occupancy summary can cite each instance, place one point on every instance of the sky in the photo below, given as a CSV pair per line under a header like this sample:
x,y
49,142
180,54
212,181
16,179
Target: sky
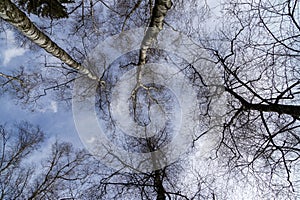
x,y
49,117
12,56
55,122
54,119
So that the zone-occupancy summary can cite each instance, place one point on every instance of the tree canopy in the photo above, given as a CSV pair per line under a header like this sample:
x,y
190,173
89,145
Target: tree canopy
x,y
171,99
53,9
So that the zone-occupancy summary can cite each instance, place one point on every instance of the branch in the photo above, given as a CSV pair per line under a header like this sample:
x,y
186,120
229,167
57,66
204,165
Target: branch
x,y
130,13
293,110
10,78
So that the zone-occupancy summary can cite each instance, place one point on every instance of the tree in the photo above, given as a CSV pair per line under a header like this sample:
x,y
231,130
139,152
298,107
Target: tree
x,y
53,8
63,173
13,15
28,175
256,61
15,148
261,77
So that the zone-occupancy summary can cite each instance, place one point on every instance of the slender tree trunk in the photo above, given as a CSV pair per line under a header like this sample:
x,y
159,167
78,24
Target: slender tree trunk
x,y
10,78
160,10
158,174
13,15
158,183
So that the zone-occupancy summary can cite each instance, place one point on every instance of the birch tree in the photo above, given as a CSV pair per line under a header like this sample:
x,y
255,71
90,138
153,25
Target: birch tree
x,y
13,15
257,51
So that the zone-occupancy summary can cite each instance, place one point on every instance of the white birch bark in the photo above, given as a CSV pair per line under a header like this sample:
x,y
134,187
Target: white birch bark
x,y
13,15
160,10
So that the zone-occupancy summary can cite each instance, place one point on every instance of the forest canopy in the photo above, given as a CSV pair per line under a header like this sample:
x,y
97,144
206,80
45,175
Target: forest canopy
x,y
150,99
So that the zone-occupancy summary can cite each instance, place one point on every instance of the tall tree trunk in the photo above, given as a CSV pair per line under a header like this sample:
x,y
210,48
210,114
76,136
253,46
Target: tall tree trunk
x,y
160,10
13,15
158,174
158,183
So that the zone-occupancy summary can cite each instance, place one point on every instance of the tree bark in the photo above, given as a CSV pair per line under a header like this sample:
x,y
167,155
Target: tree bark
x,y
160,10
156,24
13,15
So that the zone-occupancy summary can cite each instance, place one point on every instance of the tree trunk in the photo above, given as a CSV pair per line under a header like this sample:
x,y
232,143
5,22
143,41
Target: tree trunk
x,y
13,15
158,183
156,24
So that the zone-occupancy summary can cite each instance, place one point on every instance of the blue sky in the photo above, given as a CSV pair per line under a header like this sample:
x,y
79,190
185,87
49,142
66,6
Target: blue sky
x,y
54,120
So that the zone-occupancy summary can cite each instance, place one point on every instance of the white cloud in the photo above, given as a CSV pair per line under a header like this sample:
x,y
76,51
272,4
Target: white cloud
x,y
11,53
49,107
53,106
11,48
10,36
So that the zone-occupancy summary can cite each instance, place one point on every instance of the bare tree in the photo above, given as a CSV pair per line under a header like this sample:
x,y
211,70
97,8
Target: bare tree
x,y
25,174
16,146
261,77
65,166
257,51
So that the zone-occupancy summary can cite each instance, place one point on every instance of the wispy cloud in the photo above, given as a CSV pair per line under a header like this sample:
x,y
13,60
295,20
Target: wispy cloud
x,y
9,54
12,50
53,106
49,106
10,36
